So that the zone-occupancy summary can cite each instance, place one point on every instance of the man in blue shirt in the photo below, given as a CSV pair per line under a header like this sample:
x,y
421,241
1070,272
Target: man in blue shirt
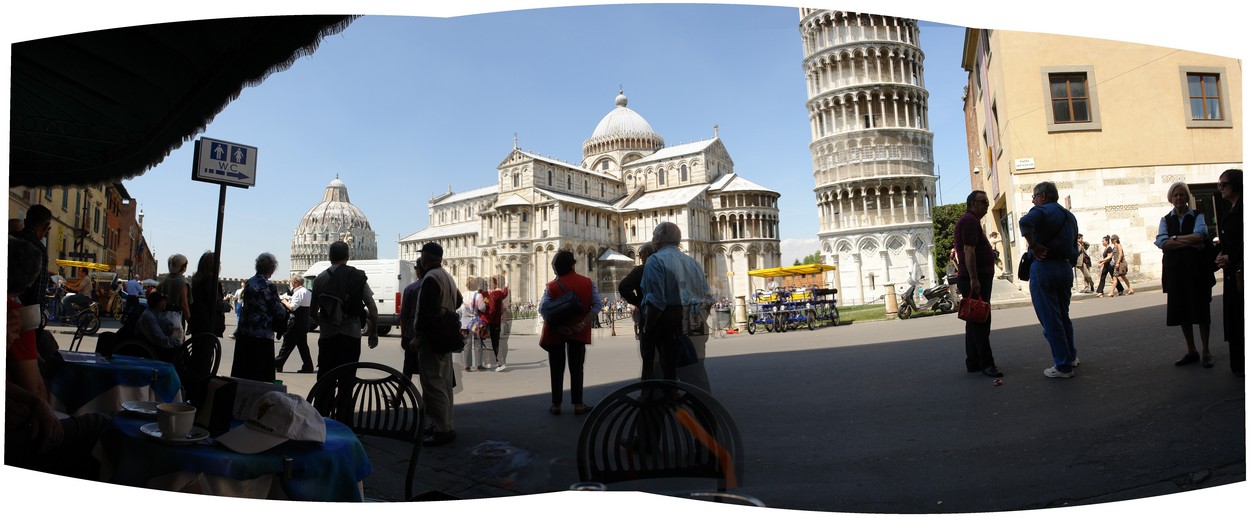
x,y
675,299
1051,234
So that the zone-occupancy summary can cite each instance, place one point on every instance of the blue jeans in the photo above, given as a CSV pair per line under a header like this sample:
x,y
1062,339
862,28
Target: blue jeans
x,y
1050,285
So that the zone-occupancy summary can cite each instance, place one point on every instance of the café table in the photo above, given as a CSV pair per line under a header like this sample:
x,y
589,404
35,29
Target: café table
x,y
87,383
293,470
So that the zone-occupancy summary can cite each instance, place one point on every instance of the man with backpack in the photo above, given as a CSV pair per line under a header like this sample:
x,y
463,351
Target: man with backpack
x,y
340,298
437,330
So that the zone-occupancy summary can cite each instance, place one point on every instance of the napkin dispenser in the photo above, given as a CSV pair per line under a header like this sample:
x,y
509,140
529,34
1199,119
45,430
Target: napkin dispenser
x,y
217,409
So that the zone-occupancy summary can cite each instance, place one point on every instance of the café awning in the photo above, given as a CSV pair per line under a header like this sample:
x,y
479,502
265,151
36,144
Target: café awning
x,y
107,105
81,264
802,269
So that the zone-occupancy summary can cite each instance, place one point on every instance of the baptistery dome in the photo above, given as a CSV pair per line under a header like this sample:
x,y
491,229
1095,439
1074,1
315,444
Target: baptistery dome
x,y
334,218
622,129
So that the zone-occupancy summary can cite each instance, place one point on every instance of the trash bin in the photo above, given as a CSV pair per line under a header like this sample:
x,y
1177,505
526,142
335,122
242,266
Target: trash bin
x,y
722,318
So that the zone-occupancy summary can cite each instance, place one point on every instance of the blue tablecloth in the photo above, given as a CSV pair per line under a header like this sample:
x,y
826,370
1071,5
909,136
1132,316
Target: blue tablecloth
x,y
319,472
77,383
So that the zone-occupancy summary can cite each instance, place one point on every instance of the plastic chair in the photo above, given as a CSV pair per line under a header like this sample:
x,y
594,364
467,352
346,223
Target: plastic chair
x,y
382,402
657,429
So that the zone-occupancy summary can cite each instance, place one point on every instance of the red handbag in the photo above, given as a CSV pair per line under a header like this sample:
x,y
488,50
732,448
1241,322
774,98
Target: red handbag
x,y
974,309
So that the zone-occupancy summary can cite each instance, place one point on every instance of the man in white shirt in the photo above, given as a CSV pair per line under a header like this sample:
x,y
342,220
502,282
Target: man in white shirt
x,y
296,336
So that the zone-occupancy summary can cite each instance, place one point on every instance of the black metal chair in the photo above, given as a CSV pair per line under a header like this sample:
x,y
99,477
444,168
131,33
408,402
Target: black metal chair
x,y
658,429
374,400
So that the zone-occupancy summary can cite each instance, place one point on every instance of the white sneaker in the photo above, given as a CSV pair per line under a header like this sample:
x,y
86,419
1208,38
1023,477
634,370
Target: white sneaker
x,y
1076,361
1054,373
501,367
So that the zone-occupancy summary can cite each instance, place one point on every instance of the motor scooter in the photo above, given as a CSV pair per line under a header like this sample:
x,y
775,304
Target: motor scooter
x,y
937,299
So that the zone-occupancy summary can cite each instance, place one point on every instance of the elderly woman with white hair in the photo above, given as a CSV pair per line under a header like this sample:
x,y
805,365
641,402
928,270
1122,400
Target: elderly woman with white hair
x,y
254,339
1187,277
177,290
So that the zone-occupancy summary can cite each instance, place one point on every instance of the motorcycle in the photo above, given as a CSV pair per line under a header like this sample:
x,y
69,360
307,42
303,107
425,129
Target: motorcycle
x,y
937,299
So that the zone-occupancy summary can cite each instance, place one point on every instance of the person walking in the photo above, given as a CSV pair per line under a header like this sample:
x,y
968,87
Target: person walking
x,y
296,337
1121,267
254,338
338,342
1050,231
1187,276
565,340
975,277
495,309
1083,263
1107,265
675,301
437,297
1232,236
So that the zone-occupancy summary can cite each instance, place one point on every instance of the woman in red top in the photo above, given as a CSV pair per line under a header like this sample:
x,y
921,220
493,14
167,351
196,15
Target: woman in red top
x,y
568,337
495,306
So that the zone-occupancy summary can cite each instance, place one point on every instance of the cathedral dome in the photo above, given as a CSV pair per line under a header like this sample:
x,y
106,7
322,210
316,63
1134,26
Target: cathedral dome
x,y
622,129
334,218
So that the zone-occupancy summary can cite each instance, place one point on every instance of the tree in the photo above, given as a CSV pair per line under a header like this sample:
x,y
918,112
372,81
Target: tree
x,y
814,258
944,218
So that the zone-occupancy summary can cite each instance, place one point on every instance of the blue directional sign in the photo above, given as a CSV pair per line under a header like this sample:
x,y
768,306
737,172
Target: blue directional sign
x,y
218,161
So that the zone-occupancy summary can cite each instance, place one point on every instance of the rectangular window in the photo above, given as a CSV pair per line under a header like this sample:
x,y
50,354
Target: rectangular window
x,y
1072,98
1069,98
1205,96
47,194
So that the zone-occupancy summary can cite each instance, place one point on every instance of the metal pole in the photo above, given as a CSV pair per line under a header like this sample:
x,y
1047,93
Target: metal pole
x,y
221,217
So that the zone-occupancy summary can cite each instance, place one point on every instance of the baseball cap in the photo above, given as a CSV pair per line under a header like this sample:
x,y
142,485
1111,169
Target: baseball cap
x,y
273,419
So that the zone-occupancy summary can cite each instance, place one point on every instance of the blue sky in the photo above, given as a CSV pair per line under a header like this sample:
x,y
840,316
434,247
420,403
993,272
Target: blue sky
x,y
402,107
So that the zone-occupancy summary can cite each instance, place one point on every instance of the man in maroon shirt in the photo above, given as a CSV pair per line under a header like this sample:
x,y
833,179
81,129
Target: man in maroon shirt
x,y
976,276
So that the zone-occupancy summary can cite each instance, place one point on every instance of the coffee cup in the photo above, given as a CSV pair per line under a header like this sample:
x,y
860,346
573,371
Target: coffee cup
x,y
175,420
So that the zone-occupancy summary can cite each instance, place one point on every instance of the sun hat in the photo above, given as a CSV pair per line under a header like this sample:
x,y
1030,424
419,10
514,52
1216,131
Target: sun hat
x,y
273,419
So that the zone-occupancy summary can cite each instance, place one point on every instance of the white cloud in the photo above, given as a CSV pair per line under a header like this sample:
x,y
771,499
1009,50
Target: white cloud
x,y
796,249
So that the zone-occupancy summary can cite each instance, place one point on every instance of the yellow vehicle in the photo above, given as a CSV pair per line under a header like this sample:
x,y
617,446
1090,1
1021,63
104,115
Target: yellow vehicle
x,y
782,308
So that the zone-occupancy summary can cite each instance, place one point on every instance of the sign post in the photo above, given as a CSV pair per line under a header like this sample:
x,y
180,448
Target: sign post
x,y
226,164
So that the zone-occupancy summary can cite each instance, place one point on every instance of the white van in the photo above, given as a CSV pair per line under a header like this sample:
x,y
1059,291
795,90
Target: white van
x,y
387,280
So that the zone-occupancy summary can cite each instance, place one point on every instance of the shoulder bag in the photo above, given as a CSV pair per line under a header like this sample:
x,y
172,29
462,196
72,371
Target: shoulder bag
x,y
561,309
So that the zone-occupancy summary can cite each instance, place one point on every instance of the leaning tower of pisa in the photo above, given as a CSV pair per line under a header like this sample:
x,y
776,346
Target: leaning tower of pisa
x,y
872,152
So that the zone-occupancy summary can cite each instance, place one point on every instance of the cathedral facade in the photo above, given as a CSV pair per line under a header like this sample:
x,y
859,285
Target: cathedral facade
x,y
872,151
603,210
334,218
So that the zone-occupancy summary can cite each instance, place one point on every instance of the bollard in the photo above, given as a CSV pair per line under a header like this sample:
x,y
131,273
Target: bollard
x,y
891,302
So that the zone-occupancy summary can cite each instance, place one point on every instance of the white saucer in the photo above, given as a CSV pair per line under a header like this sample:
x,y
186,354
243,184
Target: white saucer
x,y
153,430
142,407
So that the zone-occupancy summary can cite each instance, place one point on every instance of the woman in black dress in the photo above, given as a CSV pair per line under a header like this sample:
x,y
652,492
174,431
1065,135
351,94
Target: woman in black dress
x,y
1232,235
1187,276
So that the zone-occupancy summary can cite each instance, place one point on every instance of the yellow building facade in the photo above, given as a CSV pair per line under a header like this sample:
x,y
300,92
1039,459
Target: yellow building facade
x,y
1113,124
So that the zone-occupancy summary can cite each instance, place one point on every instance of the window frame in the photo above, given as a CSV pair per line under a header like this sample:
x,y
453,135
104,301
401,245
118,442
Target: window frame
x,y
1222,77
1091,89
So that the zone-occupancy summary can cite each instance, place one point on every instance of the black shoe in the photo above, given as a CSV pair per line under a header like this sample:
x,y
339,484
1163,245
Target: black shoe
x,y
439,438
277,369
973,369
555,410
306,370
992,372
1189,358
582,410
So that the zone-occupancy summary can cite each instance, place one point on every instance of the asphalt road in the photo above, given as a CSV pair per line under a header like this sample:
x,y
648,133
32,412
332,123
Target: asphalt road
x,y
880,417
